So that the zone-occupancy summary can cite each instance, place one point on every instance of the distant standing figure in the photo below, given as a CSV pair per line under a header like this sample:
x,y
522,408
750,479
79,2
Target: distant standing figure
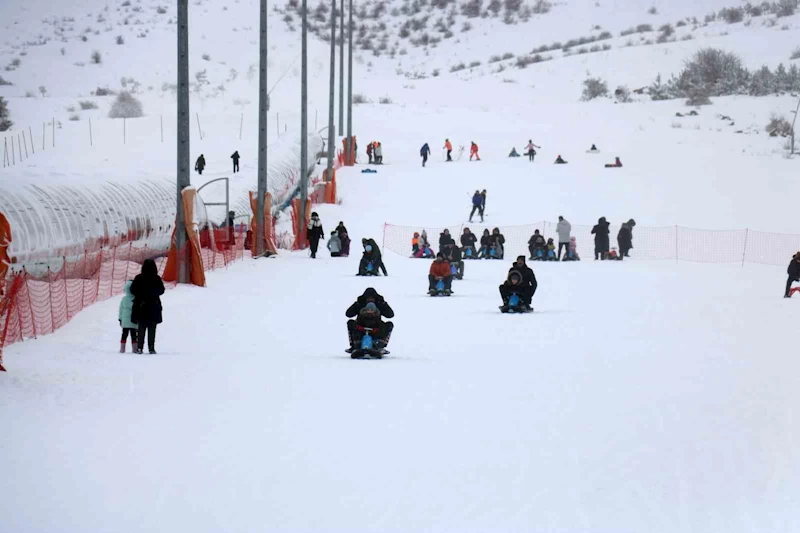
x,y
425,151
335,245
369,152
449,147
147,289
378,154
344,237
483,203
235,158
625,238
473,151
477,202
601,239
531,153
200,164
125,320
315,233
563,228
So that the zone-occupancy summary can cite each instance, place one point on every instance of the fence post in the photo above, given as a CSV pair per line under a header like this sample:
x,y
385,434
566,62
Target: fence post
x,y
744,252
5,152
66,293
30,304
19,147
91,141
54,132
99,268
200,131
13,154
113,264
383,241
50,291
124,130
44,134
30,134
676,243
241,123
26,144
161,117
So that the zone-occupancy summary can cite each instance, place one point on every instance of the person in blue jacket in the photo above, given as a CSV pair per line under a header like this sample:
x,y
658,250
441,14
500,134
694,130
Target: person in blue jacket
x,y
126,320
477,205
425,151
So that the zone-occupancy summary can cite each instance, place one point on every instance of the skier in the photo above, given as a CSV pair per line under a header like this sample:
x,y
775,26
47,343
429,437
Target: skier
x,y
468,240
601,244
536,246
315,233
530,150
527,284
473,151
125,320
425,151
378,153
200,164
559,161
794,274
625,238
563,229
344,238
440,270
379,308
369,152
235,158
449,147
477,203
335,245
147,289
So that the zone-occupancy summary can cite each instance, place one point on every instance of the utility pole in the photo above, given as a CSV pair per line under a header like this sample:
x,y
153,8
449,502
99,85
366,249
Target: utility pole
x,y
350,157
303,120
262,135
332,94
341,70
184,130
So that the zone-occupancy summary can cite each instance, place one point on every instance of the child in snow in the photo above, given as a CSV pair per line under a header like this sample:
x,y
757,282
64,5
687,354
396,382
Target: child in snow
x,y
126,320
473,152
572,252
335,244
617,163
486,243
513,152
551,250
559,161
530,151
536,246
498,242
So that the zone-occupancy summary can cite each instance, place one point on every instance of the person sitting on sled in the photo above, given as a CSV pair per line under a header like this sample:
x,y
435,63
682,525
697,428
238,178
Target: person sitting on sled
x,y
452,255
486,244
536,246
559,161
525,288
794,275
572,252
513,152
468,240
440,270
497,244
368,310
372,255
551,250
616,164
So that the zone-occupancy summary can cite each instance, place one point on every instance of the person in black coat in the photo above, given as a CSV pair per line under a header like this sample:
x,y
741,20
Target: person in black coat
x,y
147,289
477,202
536,243
498,242
445,239
344,237
235,158
529,283
371,254
486,244
452,254
468,240
601,239
625,238
314,233
200,164
794,274
355,329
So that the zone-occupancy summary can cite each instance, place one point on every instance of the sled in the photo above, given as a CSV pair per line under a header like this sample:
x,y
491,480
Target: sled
x,y
439,290
367,348
369,171
514,305
793,290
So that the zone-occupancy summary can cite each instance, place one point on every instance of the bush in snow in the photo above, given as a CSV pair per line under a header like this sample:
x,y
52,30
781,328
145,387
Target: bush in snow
x,y
622,94
786,8
713,72
732,15
540,7
5,120
385,100
457,68
653,10
126,106
120,39
96,58
698,97
4,82
795,55
359,98
161,10
471,8
87,104
779,127
594,88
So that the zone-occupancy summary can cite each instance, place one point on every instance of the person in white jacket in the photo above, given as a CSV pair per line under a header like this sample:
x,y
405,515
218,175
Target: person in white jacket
x,y
563,228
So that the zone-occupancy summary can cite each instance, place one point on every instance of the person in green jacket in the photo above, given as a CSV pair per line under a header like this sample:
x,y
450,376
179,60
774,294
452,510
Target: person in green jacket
x,y
125,320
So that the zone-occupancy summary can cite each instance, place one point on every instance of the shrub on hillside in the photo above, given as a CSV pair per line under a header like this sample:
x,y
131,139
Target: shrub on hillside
x,y
120,39
732,15
779,127
4,82
385,100
795,55
786,8
622,94
359,98
712,71
104,91
594,88
471,8
458,68
698,97
5,120
540,7
524,61
126,106
87,104
96,58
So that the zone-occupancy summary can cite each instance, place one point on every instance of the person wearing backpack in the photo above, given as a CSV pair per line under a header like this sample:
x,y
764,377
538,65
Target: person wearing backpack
x,y
425,151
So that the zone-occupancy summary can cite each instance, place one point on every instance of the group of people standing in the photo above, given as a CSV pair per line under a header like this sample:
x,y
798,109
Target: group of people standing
x,y
338,243
140,309
601,232
375,153
200,163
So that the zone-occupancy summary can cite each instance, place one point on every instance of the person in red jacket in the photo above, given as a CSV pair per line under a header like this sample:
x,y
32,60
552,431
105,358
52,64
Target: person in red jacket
x,y
440,270
473,151
449,147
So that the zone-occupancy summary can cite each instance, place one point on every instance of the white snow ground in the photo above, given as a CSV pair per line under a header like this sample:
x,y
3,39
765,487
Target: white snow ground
x,y
642,396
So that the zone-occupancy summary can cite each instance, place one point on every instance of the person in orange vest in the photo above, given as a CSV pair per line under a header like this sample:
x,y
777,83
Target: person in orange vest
x,y
449,147
473,151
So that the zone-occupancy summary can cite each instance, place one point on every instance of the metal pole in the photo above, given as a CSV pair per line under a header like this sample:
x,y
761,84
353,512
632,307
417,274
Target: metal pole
x,y
161,119
198,126
13,155
744,252
30,134
5,152
241,124
184,134
262,133
124,130
350,85
19,147
303,120
796,111
278,123
54,132
332,94
44,133
91,141
25,141
341,69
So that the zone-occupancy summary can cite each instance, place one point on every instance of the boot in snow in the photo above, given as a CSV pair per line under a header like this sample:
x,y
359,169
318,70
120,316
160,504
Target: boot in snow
x,y
122,348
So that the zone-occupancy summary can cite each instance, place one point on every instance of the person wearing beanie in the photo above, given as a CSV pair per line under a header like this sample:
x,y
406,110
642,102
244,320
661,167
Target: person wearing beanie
x,y
314,234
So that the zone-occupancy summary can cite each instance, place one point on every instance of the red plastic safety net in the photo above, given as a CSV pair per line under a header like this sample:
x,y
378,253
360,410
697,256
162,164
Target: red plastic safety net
x,y
35,305
673,242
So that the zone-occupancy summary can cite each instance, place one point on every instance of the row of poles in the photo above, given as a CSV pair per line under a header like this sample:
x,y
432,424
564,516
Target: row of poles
x,y
10,150
184,118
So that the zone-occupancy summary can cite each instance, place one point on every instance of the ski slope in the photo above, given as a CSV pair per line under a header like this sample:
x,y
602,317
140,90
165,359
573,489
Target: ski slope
x,y
640,396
